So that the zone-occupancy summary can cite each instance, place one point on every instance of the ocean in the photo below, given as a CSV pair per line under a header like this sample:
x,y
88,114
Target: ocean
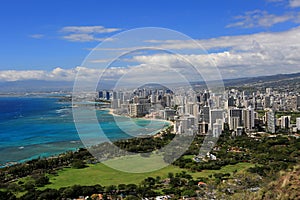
x,y
43,126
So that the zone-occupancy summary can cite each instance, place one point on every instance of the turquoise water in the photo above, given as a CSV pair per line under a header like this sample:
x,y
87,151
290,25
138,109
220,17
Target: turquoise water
x,y
32,127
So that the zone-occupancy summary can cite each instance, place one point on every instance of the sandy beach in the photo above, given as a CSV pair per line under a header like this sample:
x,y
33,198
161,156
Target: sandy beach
x,y
111,112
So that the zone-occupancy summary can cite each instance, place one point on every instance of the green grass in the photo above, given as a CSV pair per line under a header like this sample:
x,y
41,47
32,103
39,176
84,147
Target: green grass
x,y
189,156
104,175
226,169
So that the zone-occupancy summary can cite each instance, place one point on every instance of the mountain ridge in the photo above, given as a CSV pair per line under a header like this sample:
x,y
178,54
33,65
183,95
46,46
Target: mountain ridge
x,y
54,86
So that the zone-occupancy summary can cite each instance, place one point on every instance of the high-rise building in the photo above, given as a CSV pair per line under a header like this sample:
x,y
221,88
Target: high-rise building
x,y
115,103
104,94
107,95
214,115
285,122
217,128
248,118
231,101
196,110
298,123
298,102
114,95
235,118
138,110
270,119
234,122
206,96
186,125
206,114
269,91
100,94
203,127
189,108
169,113
135,110
267,102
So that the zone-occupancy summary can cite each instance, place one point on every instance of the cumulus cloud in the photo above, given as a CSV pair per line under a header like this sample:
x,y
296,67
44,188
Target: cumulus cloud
x,y
57,74
240,43
238,56
257,54
60,74
16,75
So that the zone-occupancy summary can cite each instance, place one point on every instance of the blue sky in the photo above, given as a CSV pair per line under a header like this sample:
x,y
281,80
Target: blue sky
x,y
44,35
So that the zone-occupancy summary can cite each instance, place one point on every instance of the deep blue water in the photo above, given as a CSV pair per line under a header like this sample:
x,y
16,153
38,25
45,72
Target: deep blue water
x,y
32,127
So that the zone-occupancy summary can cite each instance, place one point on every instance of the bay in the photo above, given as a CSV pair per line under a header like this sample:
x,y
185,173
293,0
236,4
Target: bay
x,y
32,127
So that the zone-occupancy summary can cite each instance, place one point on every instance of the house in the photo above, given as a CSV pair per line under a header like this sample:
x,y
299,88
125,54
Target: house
x,y
201,184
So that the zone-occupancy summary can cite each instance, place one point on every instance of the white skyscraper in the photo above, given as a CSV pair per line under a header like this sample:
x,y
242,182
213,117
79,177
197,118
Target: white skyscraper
x,y
217,128
248,118
214,115
270,119
298,123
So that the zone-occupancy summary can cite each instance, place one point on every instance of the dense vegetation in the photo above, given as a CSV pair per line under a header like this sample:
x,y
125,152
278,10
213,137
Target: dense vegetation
x,y
270,155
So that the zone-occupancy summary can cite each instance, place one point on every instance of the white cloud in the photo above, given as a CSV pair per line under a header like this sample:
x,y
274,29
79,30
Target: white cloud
x,y
294,3
240,43
82,37
258,54
14,75
260,18
37,36
238,56
274,1
57,74
88,29
60,74
100,60
85,33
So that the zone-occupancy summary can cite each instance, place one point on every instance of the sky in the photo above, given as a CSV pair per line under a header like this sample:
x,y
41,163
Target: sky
x,y
50,39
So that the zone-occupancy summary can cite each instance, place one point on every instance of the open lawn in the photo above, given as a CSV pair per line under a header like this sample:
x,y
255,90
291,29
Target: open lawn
x,y
226,169
103,175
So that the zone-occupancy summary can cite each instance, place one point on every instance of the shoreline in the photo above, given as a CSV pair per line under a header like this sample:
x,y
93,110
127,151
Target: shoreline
x,y
111,112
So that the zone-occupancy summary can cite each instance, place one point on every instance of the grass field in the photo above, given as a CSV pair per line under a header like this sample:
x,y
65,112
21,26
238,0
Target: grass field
x,y
103,175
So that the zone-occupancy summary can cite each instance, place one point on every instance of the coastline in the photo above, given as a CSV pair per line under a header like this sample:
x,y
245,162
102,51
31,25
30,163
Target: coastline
x,y
170,123
56,154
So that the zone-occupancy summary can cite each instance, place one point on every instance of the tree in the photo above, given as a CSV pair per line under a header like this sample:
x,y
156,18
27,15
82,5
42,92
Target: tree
x,y
111,189
7,195
189,193
170,175
149,182
132,197
49,194
41,181
29,185
78,164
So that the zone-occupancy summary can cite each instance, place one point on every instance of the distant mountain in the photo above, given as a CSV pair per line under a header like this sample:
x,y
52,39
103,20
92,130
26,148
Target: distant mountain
x,y
35,86
40,86
54,86
261,79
